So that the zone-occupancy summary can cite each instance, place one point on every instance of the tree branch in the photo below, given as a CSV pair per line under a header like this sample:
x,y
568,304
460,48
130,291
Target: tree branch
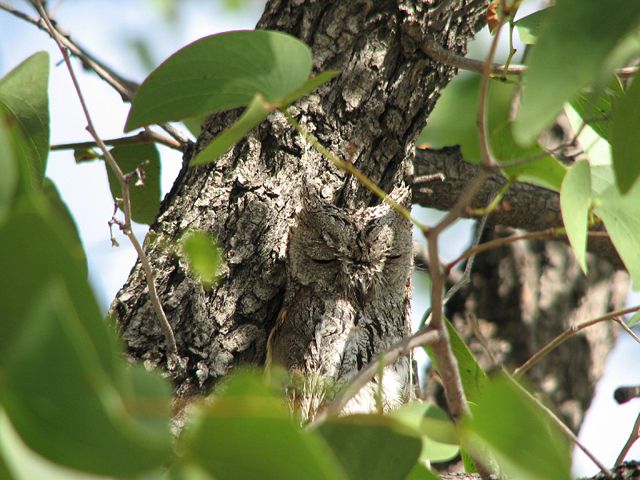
x,y
525,206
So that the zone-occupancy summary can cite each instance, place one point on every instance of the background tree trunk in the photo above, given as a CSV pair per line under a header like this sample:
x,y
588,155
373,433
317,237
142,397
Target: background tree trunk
x,y
371,115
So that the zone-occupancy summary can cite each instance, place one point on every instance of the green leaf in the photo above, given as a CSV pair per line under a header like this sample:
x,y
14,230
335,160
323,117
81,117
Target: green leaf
x,y
575,39
371,447
203,255
433,426
634,320
142,162
221,72
63,404
446,126
625,145
473,377
61,215
518,434
621,217
253,115
546,171
575,202
28,267
248,433
529,26
64,386
24,94
595,107
309,86
8,166
420,472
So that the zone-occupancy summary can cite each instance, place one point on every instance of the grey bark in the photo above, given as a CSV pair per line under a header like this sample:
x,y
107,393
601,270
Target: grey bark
x,y
370,115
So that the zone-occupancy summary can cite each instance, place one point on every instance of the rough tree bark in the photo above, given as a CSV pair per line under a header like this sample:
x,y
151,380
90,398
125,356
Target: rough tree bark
x,y
370,115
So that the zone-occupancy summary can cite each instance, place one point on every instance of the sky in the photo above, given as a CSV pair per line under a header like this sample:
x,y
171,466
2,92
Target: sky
x,y
107,28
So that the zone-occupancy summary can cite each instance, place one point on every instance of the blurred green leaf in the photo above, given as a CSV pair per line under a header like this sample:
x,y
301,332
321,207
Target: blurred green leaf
x,y
594,107
248,433
24,94
545,171
528,27
8,166
203,255
453,120
518,434
194,124
27,268
371,447
62,216
576,39
621,216
575,202
253,115
221,72
64,387
474,378
63,404
625,145
634,320
144,188
420,472
25,464
433,426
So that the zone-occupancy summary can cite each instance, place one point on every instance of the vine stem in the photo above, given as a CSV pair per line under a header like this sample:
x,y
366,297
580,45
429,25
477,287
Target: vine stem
x,y
124,188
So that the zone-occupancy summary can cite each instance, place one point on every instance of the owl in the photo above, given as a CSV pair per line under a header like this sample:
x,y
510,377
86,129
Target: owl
x,y
346,300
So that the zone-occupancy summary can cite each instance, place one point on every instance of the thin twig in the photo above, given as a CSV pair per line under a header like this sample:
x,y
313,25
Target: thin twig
x,y
500,242
425,336
633,436
144,137
124,188
569,332
448,57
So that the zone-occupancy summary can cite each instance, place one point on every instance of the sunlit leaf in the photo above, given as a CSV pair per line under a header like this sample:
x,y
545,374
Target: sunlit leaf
x,y
625,144
24,94
433,426
595,107
142,164
221,72
447,126
621,216
255,113
575,39
518,434
575,201
528,27
248,433
371,447
540,168
203,256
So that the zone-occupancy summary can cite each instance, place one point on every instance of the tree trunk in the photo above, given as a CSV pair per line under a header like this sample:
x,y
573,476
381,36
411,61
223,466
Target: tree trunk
x,y
369,115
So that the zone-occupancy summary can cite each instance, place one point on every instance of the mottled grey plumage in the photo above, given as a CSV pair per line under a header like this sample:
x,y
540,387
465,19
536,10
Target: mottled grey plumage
x,y
347,299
